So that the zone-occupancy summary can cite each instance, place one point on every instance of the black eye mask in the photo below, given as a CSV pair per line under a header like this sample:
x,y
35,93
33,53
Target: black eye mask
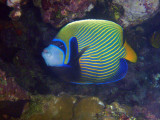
x,y
61,45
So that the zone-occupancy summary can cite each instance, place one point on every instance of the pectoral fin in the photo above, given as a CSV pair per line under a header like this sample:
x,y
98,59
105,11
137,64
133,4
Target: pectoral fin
x,y
74,54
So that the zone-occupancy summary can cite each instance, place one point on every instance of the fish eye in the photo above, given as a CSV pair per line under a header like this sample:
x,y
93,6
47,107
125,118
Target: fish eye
x,y
59,44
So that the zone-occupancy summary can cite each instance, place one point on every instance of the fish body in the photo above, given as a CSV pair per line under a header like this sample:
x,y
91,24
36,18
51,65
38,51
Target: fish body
x,y
94,48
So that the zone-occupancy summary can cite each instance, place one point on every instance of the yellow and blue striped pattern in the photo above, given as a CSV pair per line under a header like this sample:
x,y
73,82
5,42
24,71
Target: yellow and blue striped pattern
x,y
101,62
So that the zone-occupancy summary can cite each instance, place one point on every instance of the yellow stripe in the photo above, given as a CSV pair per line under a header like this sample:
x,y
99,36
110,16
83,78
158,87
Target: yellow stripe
x,y
94,41
87,27
106,67
104,74
90,33
113,55
99,50
98,40
89,40
108,50
89,64
99,26
111,45
107,54
80,28
87,73
101,68
104,45
97,79
87,33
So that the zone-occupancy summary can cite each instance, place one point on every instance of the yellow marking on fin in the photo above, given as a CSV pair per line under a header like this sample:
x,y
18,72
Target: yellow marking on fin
x,y
130,53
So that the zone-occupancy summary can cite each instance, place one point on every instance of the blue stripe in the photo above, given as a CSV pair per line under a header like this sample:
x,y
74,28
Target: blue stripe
x,y
95,34
101,41
92,33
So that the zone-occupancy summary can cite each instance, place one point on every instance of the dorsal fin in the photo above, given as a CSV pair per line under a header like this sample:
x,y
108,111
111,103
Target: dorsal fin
x,y
74,72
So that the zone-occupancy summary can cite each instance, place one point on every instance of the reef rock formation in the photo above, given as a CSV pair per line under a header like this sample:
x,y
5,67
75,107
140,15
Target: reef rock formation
x,y
60,12
89,108
49,108
136,11
16,4
10,90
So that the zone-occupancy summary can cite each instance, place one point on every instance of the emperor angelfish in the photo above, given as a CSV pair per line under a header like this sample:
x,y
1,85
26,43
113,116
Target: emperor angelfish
x,y
93,51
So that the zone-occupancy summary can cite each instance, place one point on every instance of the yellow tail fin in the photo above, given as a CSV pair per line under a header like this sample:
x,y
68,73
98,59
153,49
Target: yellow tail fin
x,y
130,53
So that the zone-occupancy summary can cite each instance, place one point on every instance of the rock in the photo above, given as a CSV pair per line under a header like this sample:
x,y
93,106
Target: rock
x,y
136,11
58,13
10,90
49,108
89,108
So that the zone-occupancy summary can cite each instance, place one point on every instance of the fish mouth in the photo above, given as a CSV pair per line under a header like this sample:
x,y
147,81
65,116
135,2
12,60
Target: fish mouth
x,y
45,51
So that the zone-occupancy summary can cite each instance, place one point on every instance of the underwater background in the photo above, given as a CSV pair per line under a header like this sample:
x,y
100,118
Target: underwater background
x,y
30,91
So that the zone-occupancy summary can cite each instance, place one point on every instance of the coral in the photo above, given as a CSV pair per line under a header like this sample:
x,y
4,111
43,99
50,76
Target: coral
x,y
49,108
118,112
61,12
10,90
155,39
89,108
13,3
116,11
63,107
142,112
136,11
16,4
